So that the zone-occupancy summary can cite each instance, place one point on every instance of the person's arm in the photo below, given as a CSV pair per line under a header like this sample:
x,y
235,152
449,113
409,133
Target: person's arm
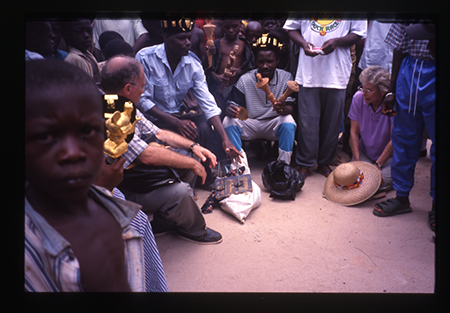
x,y
110,175
346,41
226,143
387,152
283,108
98,55
141,42
186,127
177,141
389,99
354,139
298,39
236,96
160,156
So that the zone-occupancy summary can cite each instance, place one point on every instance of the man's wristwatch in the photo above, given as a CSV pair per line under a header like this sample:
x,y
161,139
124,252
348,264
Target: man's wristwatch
x,y
191,147
377,164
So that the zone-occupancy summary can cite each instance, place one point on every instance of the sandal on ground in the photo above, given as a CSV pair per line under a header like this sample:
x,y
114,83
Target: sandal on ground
x,y
432,220
305,172
390,207
324,170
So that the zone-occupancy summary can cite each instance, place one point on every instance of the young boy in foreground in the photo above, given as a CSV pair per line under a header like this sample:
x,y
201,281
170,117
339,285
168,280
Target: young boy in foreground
x,y
77,238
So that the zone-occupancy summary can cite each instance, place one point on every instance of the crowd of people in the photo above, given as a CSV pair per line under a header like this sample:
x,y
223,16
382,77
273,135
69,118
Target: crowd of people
x,y
372,81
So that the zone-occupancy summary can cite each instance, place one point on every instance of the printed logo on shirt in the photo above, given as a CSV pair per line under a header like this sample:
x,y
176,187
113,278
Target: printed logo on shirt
x,y
324,23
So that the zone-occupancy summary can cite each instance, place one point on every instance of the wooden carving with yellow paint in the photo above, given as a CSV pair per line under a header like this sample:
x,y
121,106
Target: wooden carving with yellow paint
x,y
118,127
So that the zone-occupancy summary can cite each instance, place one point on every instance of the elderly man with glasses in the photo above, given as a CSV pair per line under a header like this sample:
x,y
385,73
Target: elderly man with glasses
x,y
159,175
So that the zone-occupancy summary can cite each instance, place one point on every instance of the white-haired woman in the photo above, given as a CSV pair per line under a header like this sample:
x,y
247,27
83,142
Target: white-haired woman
x,y
370,130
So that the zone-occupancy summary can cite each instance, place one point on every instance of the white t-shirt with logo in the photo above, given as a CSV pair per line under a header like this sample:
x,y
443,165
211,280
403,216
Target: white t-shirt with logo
x,y
326,71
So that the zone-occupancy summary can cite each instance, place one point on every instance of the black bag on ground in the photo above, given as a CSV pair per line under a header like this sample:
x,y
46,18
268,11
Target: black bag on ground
x,y
283,181
144,178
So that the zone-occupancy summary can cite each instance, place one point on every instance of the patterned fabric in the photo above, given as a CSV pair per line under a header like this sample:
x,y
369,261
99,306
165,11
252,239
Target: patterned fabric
x,y
399,40
155,279
51,265
355,185
144,129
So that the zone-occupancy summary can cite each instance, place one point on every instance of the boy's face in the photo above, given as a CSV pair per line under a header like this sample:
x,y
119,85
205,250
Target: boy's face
x,y
79,35
253,33
266,62
231,28
45,40
64,135
269,24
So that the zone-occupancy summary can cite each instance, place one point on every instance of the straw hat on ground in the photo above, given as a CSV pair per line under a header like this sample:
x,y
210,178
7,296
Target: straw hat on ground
x,y
352,183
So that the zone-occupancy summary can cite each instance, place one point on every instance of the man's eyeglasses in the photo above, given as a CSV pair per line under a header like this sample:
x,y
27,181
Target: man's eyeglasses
x,y
360,88
143,87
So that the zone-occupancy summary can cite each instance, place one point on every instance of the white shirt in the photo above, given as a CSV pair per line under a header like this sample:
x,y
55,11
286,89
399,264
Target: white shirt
x,y
326,71
376,51
130,29
30,55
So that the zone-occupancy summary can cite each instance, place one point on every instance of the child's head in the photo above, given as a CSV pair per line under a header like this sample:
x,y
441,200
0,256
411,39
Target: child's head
x,y
106,37
39,37
253,31
231,28
64,130
117,47
77,33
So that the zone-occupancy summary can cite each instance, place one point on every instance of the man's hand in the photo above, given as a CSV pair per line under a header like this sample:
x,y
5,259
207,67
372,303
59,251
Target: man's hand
x,y
307,46
199,170
232,151
205,154
387,106
220,79
232,111
210,50
235,74
282,108
330,45
110,175
187,128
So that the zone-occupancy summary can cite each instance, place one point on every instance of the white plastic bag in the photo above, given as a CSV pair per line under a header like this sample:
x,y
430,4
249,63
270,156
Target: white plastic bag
x,y
240,205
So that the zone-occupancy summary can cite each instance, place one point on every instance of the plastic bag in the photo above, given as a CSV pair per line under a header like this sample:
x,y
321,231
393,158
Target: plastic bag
x,y
282,180
241,205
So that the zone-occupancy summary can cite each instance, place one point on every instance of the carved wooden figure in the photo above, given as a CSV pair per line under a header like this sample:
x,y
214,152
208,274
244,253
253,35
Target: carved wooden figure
x,y
292,86
263,84
209,32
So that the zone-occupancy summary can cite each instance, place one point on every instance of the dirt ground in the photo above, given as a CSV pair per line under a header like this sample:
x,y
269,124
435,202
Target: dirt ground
x,y
309,245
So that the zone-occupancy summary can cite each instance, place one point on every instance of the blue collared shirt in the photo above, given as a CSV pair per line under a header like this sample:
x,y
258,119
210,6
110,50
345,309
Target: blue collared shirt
x,y
51,265
167,90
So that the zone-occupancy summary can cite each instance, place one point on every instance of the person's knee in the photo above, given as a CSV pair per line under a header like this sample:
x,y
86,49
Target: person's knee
x,y
181,191
228,121
234,134
286,135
